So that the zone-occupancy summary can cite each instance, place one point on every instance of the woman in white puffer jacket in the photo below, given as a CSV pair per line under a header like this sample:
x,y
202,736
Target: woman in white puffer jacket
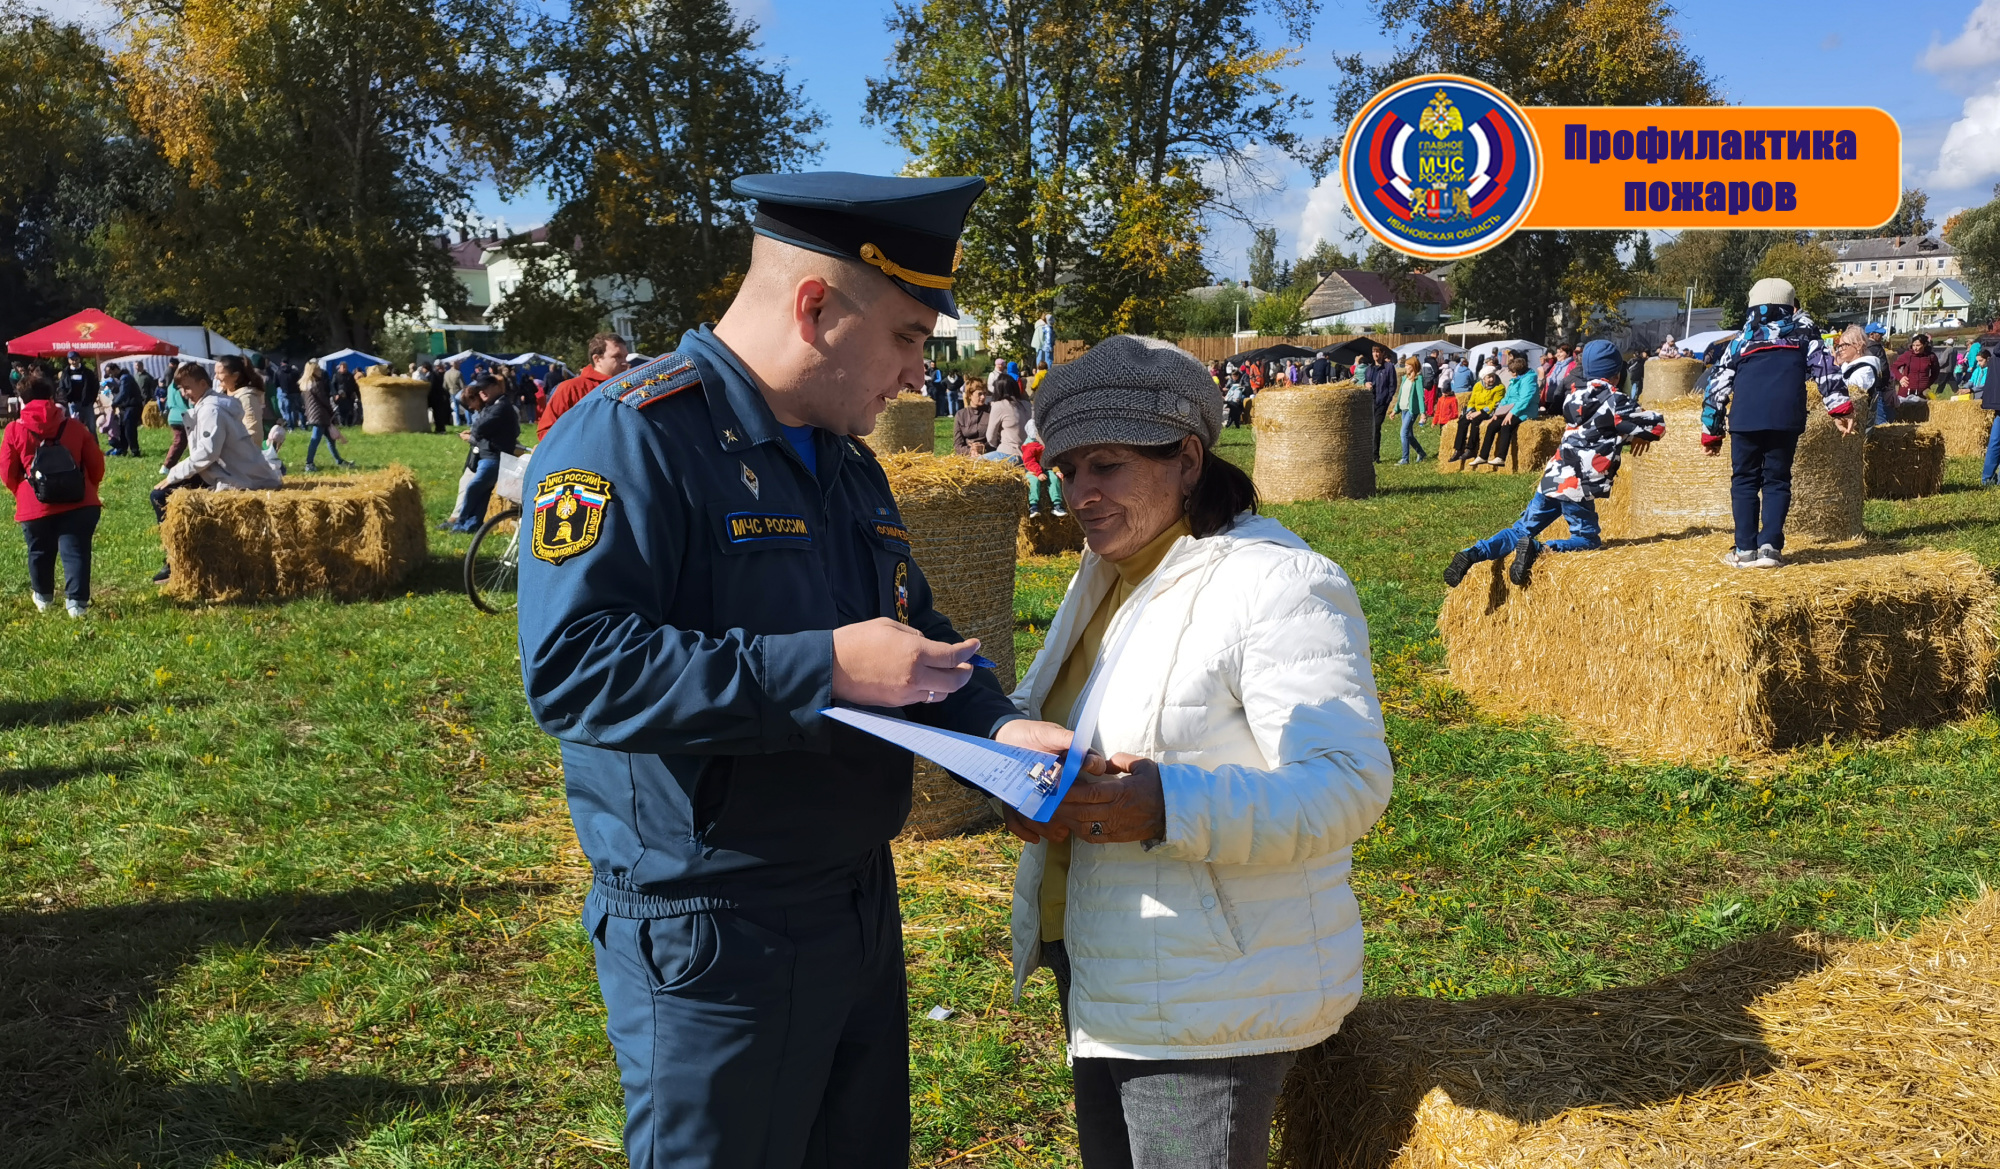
x,y
1194,908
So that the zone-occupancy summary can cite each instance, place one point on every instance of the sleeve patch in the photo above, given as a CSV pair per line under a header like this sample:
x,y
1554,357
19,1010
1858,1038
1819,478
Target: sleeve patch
x,y
569,514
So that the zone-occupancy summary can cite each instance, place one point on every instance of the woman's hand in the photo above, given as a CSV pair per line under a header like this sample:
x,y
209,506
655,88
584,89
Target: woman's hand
x,y
1128,808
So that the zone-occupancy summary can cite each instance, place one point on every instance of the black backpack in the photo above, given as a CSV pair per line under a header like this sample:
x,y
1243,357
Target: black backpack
x,y
54,473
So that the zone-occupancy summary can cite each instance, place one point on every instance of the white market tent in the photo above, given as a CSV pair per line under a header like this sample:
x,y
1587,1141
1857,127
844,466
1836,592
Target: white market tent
x,y
1478,354
350,359
195,340
1420,348
1698,344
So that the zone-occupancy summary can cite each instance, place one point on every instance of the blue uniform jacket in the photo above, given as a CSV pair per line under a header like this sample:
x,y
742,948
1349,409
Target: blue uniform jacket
x,y
680,581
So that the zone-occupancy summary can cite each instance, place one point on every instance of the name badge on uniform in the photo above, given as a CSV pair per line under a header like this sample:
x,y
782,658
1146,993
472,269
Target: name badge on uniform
x,y
749,527
569,514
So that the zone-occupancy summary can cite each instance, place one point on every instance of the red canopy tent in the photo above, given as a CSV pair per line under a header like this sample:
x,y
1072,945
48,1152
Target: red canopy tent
x,y
92,334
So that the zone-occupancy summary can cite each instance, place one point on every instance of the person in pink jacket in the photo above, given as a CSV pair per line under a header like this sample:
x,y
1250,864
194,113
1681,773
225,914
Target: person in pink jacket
x,y
53,528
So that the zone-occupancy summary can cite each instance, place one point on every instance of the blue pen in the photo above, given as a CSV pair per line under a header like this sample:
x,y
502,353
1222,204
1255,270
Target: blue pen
x,y
984,663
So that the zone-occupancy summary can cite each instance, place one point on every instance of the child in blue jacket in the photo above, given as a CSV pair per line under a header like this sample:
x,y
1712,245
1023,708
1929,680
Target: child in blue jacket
x,y
1598,418
1757,398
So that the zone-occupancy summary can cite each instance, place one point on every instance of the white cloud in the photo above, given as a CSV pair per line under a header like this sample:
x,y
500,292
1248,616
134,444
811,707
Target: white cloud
x,y
1977,45
91,14
1970,153
1326,216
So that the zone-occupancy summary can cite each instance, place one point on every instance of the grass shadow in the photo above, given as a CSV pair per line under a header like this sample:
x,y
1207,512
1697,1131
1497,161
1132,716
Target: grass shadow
x,y
61,710
22,779
1352,1102
76,978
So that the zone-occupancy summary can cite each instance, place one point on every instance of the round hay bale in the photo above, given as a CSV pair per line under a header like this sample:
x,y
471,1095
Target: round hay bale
x,y
1315,442
1829,479
964,519
1964,425
1668,378
394,405
1676,488
1048,534
1913,410
907,424
1904,460
152,418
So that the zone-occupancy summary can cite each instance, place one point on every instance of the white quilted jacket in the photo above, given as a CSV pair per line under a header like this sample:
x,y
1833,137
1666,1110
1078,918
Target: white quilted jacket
x,y
1248,681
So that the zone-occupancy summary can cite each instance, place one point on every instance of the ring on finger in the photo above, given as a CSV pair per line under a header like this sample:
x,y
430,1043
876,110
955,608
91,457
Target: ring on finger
x,y
1097,827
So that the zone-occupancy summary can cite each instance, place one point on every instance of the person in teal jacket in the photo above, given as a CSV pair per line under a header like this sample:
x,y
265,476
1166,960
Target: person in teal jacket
x,y
1521,404
177,408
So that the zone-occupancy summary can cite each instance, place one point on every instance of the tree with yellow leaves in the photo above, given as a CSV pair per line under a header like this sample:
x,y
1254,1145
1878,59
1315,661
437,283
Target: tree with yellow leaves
x,y
320,151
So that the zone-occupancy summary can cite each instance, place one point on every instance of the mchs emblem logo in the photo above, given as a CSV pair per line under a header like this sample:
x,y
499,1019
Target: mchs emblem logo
x,y
1440,166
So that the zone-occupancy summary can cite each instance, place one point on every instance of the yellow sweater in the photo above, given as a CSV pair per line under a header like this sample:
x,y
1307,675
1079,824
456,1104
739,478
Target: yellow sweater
x,y
1485,397
1062,702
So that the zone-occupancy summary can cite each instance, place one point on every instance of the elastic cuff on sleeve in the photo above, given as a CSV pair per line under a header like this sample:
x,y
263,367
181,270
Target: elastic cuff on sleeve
x,y
1182,789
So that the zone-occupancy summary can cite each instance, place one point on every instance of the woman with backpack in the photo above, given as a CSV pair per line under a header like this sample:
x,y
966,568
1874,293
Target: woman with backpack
x,y
52,464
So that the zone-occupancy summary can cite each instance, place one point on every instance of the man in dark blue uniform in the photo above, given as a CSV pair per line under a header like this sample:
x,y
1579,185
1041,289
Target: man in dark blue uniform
x,y
713,560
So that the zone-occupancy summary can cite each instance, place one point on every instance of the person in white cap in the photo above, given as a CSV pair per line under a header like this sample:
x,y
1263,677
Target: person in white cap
x,y
1755,399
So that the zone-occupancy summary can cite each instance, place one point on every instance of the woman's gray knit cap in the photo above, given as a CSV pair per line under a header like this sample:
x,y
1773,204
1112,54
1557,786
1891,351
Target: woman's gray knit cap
x,y
1136,391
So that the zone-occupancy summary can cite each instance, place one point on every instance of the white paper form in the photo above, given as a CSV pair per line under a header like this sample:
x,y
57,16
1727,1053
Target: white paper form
x,y
1032,782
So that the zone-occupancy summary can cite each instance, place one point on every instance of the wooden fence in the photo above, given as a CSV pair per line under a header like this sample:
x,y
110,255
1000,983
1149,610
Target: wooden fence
x,y
1221,348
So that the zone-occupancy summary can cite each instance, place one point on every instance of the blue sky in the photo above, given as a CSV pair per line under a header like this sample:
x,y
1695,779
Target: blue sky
x,y
1935,66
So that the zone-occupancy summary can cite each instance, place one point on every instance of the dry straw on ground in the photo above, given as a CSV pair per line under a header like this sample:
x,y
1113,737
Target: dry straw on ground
x,y
1787,1050
349,538
1668,378
907,424
394,405
1905,460
152,418
1048,534
1676,488
1314,442
1710,660
964,517
1965,427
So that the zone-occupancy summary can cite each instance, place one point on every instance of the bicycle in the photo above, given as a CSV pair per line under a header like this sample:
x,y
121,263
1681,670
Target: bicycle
x,y
493,562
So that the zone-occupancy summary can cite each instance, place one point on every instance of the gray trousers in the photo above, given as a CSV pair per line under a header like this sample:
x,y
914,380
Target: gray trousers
x,y
1171,1113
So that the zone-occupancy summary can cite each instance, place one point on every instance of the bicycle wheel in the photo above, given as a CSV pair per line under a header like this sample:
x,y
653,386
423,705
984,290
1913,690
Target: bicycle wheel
x,y
494,562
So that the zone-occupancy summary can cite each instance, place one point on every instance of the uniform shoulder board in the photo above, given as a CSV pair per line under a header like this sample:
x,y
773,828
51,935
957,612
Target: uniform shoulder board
x,y
655,381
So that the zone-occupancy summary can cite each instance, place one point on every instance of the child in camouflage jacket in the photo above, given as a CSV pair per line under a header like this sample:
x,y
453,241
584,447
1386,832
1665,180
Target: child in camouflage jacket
x,y
1599,419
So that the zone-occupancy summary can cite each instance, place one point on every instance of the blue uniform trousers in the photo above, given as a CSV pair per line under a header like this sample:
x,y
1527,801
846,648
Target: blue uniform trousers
x,y
1760,485
766,1036
1542,511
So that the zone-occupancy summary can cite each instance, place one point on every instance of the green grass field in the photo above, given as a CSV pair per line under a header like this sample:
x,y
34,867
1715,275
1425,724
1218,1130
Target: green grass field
x,y
294,885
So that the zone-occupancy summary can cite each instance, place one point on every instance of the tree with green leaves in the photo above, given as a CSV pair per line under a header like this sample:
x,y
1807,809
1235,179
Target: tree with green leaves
x,y
1911,220
1808,265
1264,258
69,161
655,106
1719,265
1541,52
1095,122
320,149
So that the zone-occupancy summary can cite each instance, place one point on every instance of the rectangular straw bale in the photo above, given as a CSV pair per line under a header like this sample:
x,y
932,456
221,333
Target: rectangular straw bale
x,y
1709,660
349,538
1445,463
1965,426
1314,442
1789,1050
1048,534
1905,460
964,518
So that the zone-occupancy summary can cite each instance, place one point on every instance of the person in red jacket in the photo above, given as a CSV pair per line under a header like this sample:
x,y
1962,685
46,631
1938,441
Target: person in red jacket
x,y
607,360
52,529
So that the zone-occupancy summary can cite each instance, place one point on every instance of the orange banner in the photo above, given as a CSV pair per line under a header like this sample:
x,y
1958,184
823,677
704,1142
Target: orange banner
x,y
1625,167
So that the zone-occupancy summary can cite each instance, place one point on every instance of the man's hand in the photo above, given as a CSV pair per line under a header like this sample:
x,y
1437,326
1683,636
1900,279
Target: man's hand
x,y
162,484
1117,811
1055,739
887,663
